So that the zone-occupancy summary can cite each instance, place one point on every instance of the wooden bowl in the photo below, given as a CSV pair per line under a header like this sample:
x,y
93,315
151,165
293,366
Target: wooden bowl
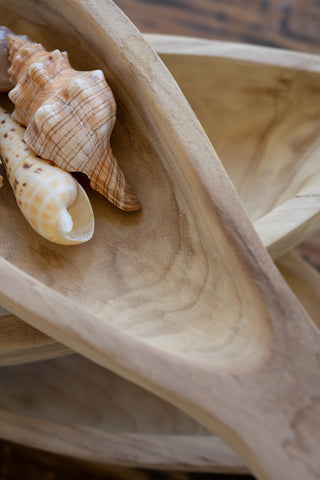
x,y
243,83
260,108
49,405
20,343
181,298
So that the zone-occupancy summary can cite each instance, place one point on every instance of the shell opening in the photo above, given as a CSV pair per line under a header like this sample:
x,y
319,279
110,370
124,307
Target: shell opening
x,y
77,221
65,223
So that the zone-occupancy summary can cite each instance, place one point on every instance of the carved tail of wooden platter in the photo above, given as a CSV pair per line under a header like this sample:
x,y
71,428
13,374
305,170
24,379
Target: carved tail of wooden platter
x,y
181,297
50,404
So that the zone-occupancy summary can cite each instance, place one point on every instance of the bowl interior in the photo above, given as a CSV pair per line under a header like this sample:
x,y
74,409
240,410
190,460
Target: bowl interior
x,y
273,131
75,391
170,262
263,120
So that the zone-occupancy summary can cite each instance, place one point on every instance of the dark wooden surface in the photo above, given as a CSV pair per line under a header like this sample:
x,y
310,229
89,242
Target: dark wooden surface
x,y
293,24
20,463
290,24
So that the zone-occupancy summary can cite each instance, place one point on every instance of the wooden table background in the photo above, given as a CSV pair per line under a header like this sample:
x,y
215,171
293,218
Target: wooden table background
x,y
293,24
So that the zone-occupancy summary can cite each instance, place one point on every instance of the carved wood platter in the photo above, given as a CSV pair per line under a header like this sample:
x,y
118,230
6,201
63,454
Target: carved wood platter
x,y
249,164
180,298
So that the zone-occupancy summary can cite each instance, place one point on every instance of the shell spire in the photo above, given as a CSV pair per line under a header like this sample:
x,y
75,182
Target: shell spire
x,y
69,117
5,83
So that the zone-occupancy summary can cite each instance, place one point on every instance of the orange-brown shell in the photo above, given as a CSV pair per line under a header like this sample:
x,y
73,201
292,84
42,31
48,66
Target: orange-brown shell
x,y
69,116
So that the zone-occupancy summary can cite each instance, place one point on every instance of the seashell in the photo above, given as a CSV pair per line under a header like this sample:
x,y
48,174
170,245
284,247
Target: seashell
x,y
69,117
5,83
51,200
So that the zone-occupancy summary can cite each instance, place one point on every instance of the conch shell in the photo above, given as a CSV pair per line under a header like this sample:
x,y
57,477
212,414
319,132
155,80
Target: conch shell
x,y
69,116
5,84
52,201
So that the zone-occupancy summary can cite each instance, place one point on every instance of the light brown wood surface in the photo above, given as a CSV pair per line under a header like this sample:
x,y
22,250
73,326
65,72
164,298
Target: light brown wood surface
x,y
51,404
179,444
304,280
147,312
259,108
258,148
19,342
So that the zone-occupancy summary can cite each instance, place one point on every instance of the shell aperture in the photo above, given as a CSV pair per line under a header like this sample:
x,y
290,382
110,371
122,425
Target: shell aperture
x,y
52,201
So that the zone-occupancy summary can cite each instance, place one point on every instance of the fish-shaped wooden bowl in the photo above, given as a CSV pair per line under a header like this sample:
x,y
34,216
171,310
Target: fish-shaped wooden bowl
x,y
182,297
262,152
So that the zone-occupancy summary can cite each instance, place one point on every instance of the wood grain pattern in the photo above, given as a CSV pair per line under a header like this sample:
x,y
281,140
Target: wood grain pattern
x,y
292,24
36,464
180,446
303,419
52,404
19,342
257,109
258,148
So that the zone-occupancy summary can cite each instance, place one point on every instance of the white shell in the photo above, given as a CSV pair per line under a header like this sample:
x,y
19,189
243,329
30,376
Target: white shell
x,y
52,201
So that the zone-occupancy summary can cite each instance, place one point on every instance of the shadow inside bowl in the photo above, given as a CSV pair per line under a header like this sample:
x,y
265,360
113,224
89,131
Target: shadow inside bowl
x,y
52,404
264,122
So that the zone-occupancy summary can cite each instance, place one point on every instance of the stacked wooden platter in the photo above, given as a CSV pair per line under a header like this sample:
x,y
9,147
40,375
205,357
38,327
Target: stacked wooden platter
x,y
180,298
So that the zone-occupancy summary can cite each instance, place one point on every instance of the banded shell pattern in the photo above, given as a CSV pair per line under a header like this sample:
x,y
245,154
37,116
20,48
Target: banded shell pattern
x,y
52,201
69,117
5,84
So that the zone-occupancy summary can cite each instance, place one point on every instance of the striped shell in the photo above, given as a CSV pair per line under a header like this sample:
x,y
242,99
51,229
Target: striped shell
x,y
69,116
51,200
5,83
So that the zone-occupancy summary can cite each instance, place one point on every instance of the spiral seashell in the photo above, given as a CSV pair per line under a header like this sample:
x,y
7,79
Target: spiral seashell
x,y
5,83
51,200
69,117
